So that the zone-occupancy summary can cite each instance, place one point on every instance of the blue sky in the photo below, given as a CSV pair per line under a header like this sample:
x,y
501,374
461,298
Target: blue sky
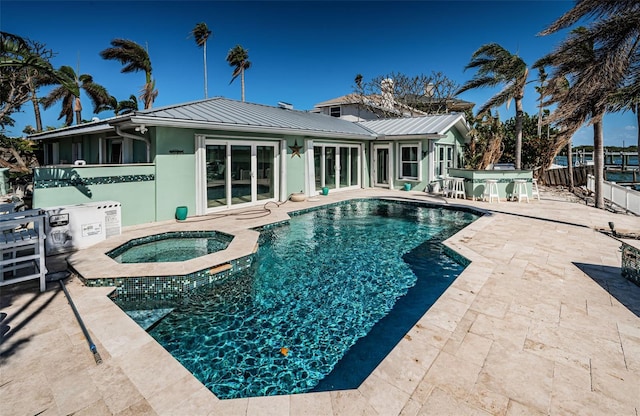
x,y
302,52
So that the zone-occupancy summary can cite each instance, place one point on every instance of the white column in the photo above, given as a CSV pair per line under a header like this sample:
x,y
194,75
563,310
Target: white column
x,y
201,175
283,170
310,171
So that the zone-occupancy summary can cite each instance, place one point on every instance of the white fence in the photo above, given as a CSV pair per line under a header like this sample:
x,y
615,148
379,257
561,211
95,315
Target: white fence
x,y
621,196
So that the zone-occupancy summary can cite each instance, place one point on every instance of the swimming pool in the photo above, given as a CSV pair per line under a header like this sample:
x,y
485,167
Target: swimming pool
x,y
319,286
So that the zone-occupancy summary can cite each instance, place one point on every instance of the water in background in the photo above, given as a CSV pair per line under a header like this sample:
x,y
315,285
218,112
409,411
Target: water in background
x,y
562,160
612,176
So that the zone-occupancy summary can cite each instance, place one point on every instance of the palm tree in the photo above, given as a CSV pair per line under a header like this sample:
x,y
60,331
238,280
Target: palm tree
x,y
134,58
615,51
69,94
542,77
624,100
127,106
24,65
497,66
120,107
577,61
238,57
201,34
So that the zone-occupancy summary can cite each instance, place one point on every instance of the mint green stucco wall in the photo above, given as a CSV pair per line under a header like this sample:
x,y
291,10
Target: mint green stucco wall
x,y
172,169
131,185
295,168
475,185
452,137
175,172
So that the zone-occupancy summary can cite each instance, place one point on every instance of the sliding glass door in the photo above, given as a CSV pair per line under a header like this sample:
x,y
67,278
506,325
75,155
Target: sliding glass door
x,y
240,174
336,166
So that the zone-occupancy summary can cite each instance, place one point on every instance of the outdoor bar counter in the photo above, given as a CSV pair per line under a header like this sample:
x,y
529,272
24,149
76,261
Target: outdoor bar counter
x,y
474,181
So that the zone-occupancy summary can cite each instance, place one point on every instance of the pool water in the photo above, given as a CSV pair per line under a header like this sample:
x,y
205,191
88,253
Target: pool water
x,y
170,247
300,320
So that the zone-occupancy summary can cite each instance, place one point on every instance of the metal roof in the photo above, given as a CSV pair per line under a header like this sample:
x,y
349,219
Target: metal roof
x,y
96,126
231,115
226,113
435,125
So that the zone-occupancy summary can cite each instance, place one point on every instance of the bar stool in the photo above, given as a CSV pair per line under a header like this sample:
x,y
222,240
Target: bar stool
x,y
491,190
445,182
520,189
534,189
458,188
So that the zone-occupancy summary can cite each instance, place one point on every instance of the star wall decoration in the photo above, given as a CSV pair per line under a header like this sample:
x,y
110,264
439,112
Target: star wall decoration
x,y
295,149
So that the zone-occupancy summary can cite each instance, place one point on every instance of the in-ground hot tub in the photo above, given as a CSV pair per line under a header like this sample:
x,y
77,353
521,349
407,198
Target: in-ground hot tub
x,y
170,247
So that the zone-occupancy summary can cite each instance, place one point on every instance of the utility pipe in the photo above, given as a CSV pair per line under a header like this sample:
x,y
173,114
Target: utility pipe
x,y
121,133
92,346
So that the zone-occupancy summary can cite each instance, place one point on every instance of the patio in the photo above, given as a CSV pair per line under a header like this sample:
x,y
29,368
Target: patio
x,y
541,322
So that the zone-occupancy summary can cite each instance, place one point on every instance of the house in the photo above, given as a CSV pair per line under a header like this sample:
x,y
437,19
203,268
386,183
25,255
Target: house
x,y
216,154
359,107
355,107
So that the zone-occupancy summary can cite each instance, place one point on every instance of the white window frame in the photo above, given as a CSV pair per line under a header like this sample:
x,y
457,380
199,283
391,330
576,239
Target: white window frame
x,y
443,165
76,151
52,153
418,160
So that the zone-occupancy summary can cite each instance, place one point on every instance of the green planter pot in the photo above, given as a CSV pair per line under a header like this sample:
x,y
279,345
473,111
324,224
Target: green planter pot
x,y
181,213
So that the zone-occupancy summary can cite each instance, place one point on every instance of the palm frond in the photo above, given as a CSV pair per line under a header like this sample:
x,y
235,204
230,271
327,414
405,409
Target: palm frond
x,y
201,33
596,9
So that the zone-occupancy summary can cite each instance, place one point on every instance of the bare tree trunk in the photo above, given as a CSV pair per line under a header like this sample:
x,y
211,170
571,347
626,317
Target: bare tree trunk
x,y
77,108
36,112
598,162
519,114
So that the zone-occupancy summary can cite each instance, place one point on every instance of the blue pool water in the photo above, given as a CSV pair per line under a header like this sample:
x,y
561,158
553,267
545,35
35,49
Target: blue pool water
x,y
171,246
330,295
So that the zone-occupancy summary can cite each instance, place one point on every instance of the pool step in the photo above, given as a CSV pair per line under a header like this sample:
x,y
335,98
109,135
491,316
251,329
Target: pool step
x,y
148,318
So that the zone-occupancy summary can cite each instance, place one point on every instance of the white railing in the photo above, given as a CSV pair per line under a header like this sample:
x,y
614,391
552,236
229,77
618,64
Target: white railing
x,y
22,254
621,196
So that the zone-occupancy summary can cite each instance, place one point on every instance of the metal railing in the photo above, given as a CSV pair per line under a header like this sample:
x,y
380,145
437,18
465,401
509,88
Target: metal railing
x,y
623,197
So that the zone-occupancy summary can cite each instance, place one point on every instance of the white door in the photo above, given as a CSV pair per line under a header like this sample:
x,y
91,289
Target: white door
x,y
336,166
240,173
381,166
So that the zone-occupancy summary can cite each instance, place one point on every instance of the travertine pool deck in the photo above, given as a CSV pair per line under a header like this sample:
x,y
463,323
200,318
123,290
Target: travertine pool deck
x,y
541,322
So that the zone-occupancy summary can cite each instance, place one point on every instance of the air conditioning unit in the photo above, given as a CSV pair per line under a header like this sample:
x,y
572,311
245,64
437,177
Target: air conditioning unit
x,y
74,227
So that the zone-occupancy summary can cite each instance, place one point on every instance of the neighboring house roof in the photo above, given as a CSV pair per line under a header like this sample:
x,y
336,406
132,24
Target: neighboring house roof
x,y
435,126
451,103
404,108
374,102
344,99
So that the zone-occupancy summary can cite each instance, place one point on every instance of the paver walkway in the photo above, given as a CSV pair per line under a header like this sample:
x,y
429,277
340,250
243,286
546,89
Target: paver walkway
x,y
541,322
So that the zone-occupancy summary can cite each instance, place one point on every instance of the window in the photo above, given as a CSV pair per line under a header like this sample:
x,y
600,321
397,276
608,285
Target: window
x,y
409,161
334,111
51,154
111,151
76,151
